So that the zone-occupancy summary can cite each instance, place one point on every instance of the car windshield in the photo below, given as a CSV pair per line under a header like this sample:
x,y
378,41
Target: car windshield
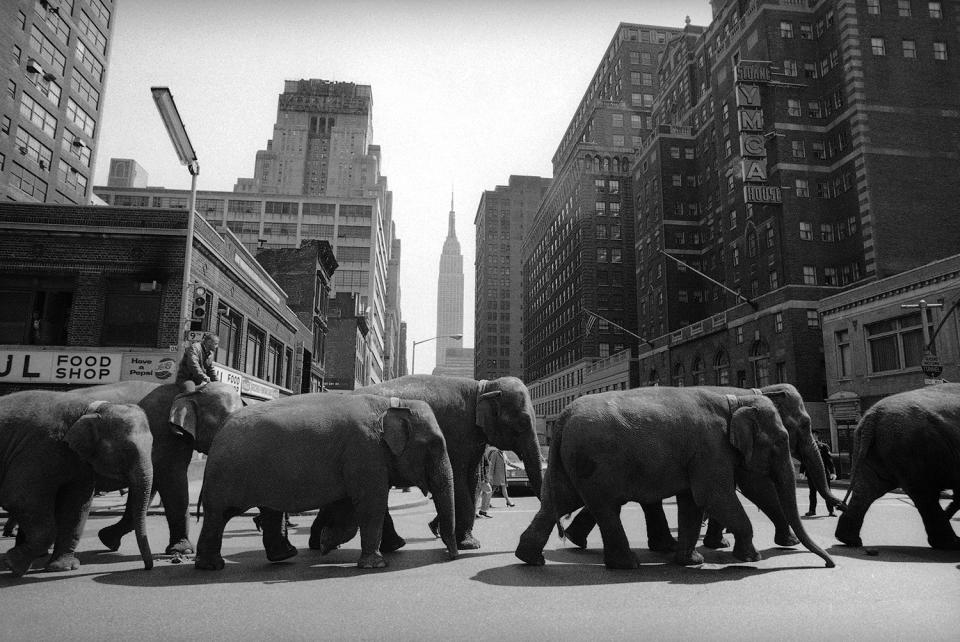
x,y
512,458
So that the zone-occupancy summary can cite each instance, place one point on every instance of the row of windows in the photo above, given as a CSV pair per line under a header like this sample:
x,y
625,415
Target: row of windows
x,y
878,47
830,232
892,345
905,8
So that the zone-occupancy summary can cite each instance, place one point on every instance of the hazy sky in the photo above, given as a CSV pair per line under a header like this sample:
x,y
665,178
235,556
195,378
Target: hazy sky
x,y
465,93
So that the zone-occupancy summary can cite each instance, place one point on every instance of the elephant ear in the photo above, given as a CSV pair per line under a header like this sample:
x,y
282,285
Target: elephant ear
x,y
81,436
183,416
743,430
488,408
396,426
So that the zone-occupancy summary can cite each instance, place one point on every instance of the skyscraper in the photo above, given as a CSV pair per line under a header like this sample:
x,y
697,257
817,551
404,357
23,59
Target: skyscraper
x,y
450,305
50,117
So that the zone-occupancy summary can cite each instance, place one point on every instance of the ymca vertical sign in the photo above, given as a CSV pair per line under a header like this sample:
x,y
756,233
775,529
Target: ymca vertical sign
x,y
749,75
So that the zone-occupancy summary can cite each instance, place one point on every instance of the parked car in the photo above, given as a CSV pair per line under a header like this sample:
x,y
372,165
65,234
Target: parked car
x,y
516,474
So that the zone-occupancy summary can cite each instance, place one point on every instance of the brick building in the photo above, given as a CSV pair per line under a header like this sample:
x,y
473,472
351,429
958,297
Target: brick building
x,y
305,274
93,295
54,66
578,249
503,216
348,343
791,159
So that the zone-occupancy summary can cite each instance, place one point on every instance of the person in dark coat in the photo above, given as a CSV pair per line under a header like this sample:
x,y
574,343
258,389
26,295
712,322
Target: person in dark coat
x,y
196,365
828,469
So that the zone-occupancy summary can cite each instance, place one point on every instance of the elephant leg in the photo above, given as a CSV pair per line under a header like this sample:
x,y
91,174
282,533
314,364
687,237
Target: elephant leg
x,y
275,542
10,528
939,533
465,505
209,544
370,516
689,521
616,546
390,541
762,492
579,528
330,519
72,509
714,537
111,536
729,511
559,498
659,538
36,535
175,495
868,487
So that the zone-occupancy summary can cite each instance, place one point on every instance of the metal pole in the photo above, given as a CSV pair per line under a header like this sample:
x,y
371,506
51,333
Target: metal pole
x,y
413,359
194,169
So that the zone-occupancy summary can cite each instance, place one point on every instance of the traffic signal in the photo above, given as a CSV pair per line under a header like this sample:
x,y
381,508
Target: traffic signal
x,y
199,308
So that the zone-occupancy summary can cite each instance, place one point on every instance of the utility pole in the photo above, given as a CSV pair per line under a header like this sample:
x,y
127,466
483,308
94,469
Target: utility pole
x,y
930,363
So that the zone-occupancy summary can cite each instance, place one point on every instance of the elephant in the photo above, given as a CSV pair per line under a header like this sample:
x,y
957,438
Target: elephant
x,y
909,440
757,488
299,453
199,416
471,415
646,444
54,446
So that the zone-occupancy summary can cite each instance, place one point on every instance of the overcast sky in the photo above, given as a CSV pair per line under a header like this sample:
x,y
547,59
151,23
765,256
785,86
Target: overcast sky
x,y
465,93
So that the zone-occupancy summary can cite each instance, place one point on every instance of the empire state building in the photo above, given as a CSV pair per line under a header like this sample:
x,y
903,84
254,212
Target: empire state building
x,y
452,359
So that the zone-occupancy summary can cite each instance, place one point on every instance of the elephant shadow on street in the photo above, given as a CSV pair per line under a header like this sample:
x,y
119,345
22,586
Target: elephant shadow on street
x,y
578,567
896,553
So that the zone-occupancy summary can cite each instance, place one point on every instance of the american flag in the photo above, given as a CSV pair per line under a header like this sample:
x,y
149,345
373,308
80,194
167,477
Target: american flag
x,y
591,319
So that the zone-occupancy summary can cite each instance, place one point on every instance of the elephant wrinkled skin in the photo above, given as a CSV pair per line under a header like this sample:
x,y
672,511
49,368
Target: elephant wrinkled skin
x,y
471,415
53,448
909,440
202,414
647,444
299,453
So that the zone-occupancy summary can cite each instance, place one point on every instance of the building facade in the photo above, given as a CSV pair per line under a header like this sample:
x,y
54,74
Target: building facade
x,y
95,295
503,216
450,303
348,341
578,252
126,172
55,64
787,164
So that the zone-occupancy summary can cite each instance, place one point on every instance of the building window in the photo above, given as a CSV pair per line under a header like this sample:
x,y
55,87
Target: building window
x,y
774,280
678,375
826,232
760,356
254,351
786,29
131,314
830,276
616,120
876,46
796,147
813,319
873,7
228,329
935,10
909,49
806,231
895,344
802,188
814,110
793,107
903,8
274,369
806,31
778,322
721,367
819,152
35,310
618,140
789,67
939,51
844,353
809,275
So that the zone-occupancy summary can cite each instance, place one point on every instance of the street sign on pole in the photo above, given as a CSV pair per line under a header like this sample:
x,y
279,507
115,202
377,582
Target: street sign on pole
x,y
931,366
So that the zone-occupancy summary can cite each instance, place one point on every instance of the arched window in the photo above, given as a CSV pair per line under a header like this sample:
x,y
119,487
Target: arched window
x,y
678,375
751,240
699,375
616,165
596,163
760,357
606,164
721,366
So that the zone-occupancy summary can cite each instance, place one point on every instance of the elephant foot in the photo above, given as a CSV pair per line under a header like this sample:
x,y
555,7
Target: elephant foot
x,y
208,563
531,555
577,539
389,545
662,544
68,562
716,542
110,536
693,558
281,551
746,553
785,539
848,539
625,560
373,560
468,543
944,544
182,546
18,561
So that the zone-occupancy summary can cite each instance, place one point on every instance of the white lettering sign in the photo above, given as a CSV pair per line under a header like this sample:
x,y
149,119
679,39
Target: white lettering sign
x,y
41,366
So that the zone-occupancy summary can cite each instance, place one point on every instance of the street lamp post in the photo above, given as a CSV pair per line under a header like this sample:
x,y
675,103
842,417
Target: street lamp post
x,y
413,356
188,156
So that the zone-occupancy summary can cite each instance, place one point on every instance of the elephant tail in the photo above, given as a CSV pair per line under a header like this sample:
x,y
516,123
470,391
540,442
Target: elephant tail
x,y
864,439
560,482
199,503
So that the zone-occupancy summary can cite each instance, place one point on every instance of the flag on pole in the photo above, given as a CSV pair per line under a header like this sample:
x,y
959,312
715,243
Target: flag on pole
x,y
591,320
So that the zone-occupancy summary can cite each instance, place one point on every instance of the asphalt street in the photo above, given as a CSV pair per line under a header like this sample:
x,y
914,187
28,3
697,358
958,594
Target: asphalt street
x,y
906,591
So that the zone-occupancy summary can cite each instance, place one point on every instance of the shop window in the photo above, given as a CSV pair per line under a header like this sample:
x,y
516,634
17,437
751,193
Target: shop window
x,y
131,316
254,351
229,323
35,310
274,369
895,344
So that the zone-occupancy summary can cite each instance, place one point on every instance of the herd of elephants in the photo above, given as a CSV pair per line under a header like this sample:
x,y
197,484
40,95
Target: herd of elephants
x,y
341,453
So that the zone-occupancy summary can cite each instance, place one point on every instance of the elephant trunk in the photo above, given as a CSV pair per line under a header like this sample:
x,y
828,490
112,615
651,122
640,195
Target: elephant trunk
x,y
141,482
809,454
532,462
441,485
786,484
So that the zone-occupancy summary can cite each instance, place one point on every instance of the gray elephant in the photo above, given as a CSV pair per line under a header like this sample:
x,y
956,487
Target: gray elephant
x,y
647,444
197,419
299,453
909,440
757,488
53,448
471,415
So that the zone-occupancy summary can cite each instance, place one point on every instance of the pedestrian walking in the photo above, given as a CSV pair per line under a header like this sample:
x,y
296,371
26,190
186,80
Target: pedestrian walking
x,y
824,450
498,472
486,490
